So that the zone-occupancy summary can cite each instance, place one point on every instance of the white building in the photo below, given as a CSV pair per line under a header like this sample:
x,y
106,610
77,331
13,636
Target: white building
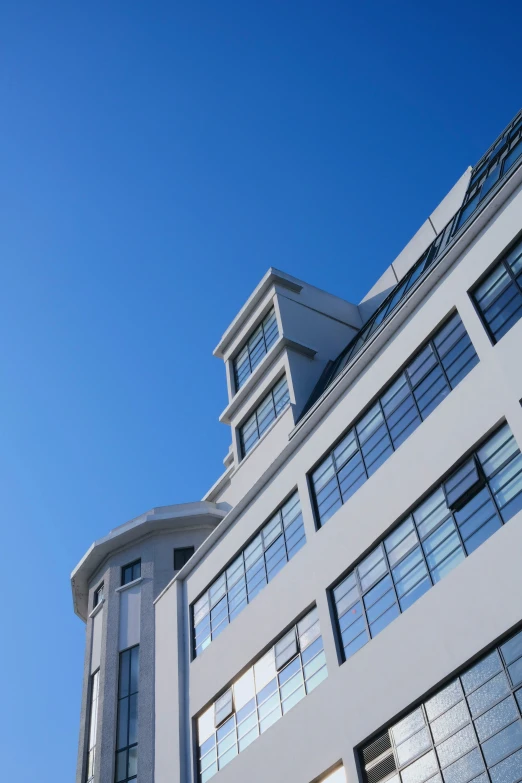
x,y
344,602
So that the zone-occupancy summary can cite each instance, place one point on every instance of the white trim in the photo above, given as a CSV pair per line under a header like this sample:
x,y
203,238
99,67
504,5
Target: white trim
x,y
129,584
96,609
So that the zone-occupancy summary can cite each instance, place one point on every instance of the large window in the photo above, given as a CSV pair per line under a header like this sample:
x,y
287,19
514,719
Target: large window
x,y
278,541
475,501
289,671
499,296
429,377
93,719
181,556
258,344
266,412
127,735
471,730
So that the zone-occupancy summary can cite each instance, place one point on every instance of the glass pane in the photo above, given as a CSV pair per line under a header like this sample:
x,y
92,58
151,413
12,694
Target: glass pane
x,y
512,649
450,721
456,746
503,743
509,770
414,746
485,696
421,769
465,768
496,718
443,700
408,726
481,672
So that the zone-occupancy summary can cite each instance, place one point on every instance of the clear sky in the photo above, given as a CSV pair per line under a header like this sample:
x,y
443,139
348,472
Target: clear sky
x,y
156,159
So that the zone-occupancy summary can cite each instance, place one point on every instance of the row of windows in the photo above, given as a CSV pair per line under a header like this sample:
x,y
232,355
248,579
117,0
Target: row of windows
x,y
290,670
257,346
474,501
266,412
428,378
470,730
464,511
499,162
278,541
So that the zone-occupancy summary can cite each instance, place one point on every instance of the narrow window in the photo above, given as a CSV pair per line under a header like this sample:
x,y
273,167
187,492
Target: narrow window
x,y
181,556
256,347
266,412
98,596
93,718
130,572
127,733
498,297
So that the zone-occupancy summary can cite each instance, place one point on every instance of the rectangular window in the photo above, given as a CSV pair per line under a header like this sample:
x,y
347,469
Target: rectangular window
x,y
98,596
257,346
93,719
470,730
463,512
266,412
260,697
130,572
498,297
278,541
127,733
182,556
428,378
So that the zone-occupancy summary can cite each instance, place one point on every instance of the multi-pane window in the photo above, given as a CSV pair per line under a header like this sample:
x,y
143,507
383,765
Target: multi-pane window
x,y
289,671
499,296
277,542
429,377
269,409
127,734
465,510
93,719
496,164
471,730
98,596
181,556
258,344
131,572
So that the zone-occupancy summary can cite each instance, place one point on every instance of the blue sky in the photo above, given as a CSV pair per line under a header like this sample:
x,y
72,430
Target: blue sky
x,y
156,159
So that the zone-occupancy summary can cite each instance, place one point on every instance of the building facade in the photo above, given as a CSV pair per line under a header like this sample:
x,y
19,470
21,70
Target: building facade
x,y
345,603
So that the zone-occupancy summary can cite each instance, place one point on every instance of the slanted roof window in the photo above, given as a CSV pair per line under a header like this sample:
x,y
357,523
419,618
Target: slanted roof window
x,y
257,346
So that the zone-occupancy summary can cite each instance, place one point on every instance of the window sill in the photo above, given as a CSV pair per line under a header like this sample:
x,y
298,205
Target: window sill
x,y
97,609
129,585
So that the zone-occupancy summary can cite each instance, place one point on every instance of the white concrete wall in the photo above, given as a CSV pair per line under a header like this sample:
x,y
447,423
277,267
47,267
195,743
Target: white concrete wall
x,y
468,610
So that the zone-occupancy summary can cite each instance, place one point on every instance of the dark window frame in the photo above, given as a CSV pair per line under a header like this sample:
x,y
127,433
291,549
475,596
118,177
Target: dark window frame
x,y
97,596
254,411
499,260
244,344
132,566
126,748
184,550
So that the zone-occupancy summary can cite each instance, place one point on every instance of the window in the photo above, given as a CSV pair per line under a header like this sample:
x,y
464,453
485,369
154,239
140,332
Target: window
x,y
278,541
182,556
266,412
131,572
260,697
257,346
98,596
499,296
93,719
470,726
463,512
428,378
127,735
497,163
